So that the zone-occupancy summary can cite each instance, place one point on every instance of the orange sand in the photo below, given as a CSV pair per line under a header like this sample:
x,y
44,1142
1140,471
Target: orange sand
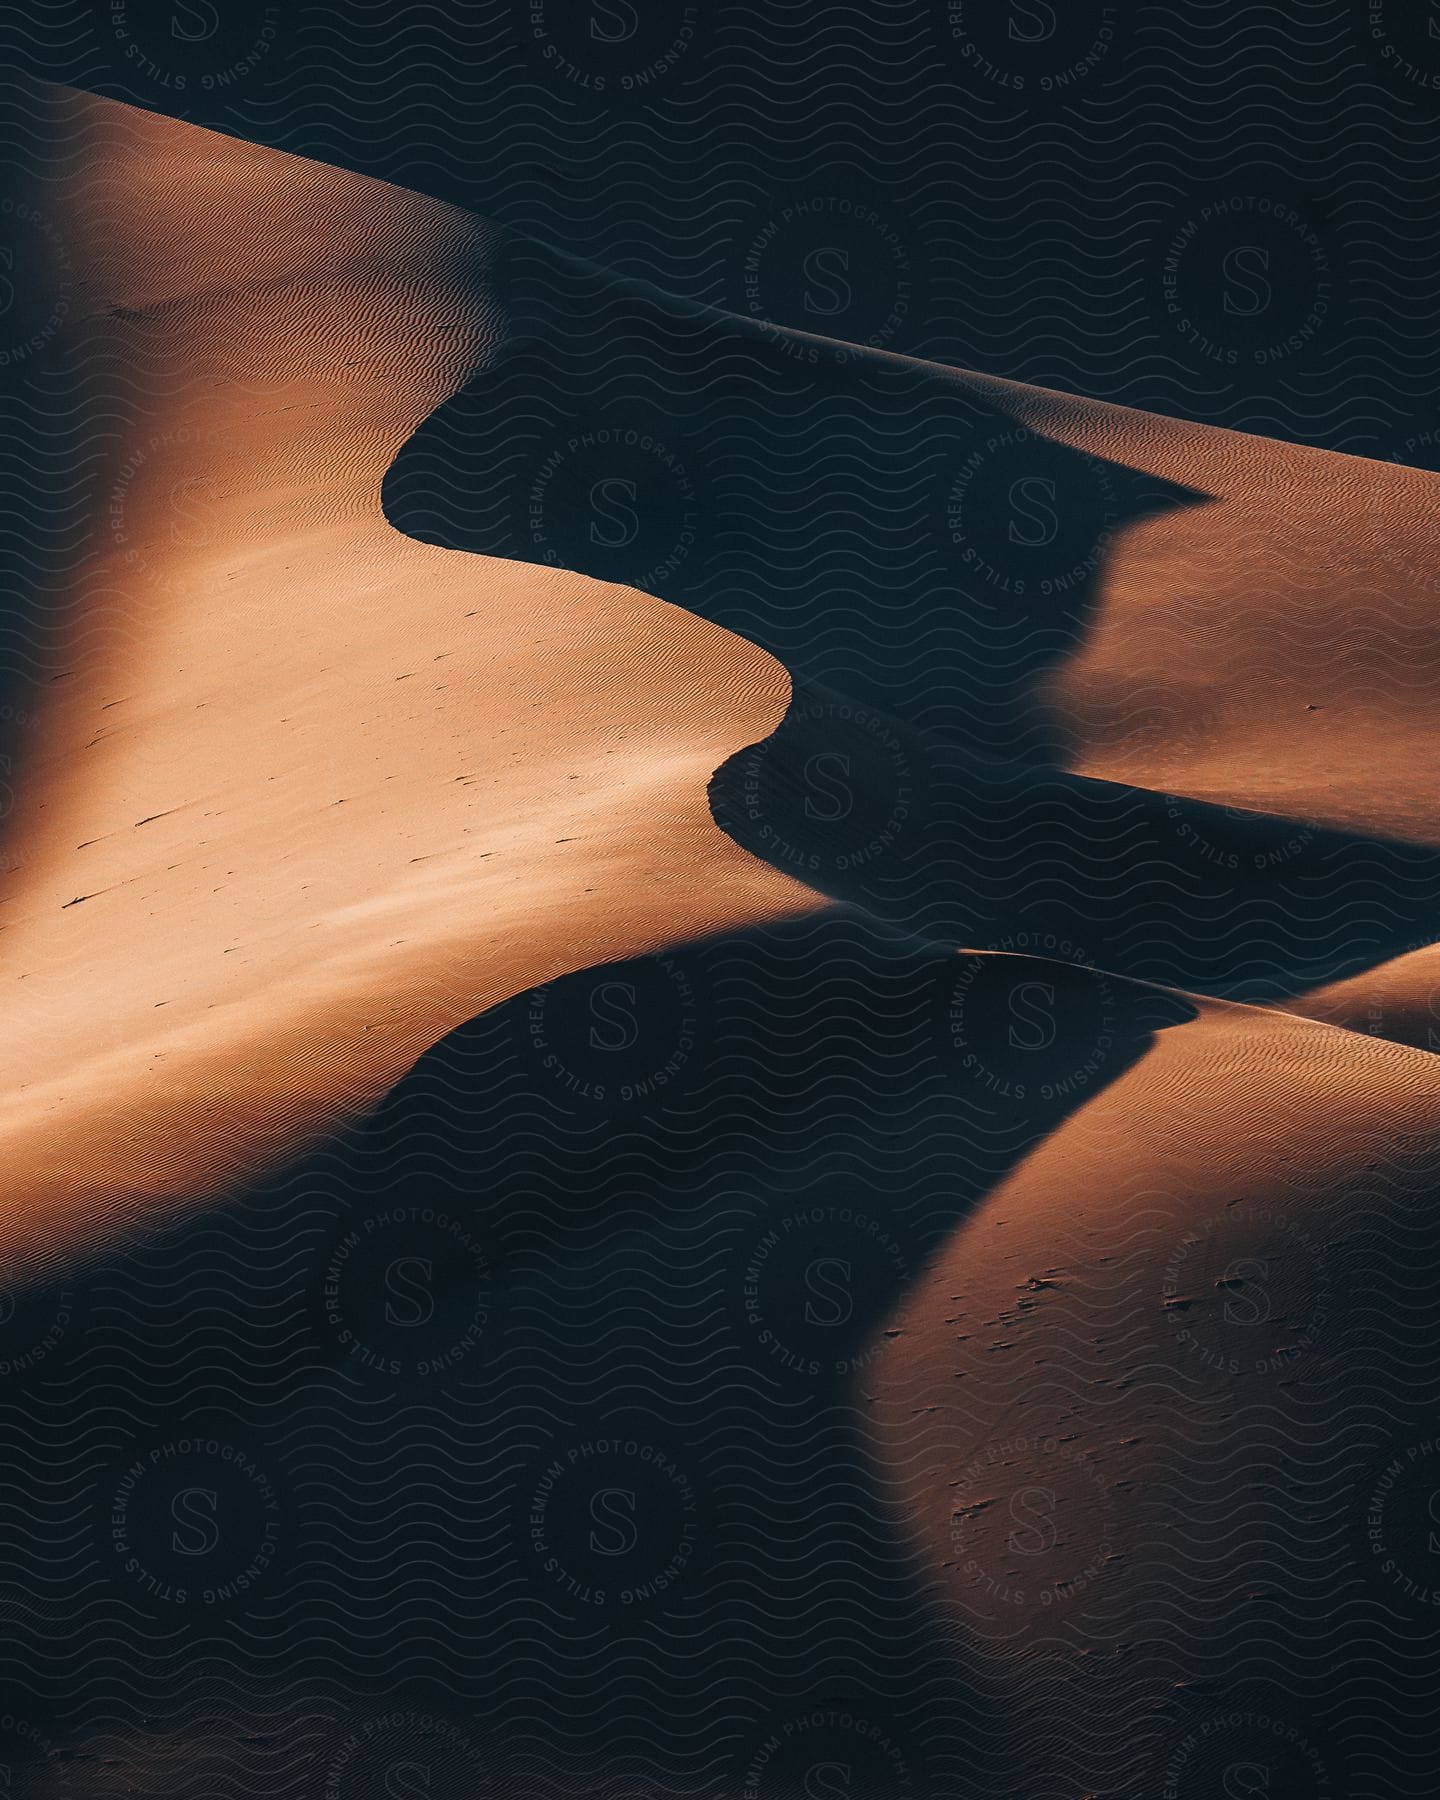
x,y
321,791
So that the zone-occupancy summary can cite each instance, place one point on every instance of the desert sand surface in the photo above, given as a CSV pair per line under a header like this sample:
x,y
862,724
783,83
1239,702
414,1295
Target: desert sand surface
x,y
1270,647
1399,998
255,797
308,792
306,795
1137,1410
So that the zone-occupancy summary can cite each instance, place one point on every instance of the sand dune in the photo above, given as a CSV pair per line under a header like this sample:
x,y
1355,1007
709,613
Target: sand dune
x,y
1138,1410
1273,648
1135,1410
307,793
1398,999
295,759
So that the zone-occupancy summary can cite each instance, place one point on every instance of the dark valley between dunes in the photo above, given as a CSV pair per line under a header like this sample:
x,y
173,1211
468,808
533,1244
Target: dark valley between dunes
x,y
719,893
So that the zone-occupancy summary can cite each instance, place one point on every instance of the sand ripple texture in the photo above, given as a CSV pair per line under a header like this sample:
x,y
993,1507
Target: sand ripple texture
x,y
718,1076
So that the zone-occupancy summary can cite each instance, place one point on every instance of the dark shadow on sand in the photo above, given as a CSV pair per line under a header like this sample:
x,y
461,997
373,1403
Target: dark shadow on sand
x,y
53,431
668,1204
921,564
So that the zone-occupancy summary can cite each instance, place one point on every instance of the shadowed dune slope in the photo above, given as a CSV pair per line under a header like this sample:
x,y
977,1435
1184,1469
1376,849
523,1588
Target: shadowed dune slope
x,y
306,793
1193,610
1160,1417
1158,688
315,810
220,808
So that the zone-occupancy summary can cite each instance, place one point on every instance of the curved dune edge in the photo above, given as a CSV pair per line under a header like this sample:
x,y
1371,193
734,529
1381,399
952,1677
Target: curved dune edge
x,y
1274,646
1398,999
1188,1303
322,792
1294,666
309,793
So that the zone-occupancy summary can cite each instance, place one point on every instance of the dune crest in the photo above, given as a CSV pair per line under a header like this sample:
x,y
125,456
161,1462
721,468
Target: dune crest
x,y
1144,1274
308,793
1179,1306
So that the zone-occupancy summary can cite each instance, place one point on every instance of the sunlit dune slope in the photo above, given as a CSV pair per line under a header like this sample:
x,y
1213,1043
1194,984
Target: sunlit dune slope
x,y
1134,1412
1246,621
1275,648
1398,999
306,793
